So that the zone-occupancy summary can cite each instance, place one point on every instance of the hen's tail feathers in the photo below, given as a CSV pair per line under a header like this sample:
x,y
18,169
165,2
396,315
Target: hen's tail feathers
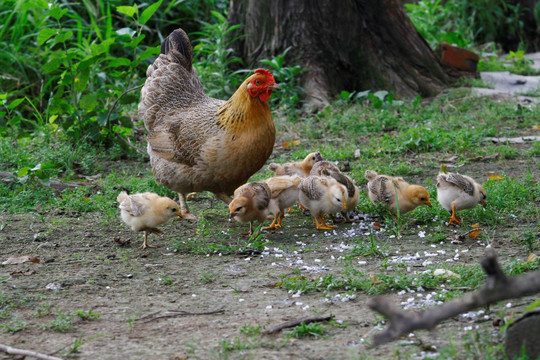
x,y
179,42
122,196
370,175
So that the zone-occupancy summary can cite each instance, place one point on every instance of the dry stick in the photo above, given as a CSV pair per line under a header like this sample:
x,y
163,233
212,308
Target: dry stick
x,y
175,313
14,351
55,184
293,323
498,287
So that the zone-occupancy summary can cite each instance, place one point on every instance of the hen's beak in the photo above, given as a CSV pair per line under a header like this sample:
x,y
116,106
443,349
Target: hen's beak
x,y
273,86
232,215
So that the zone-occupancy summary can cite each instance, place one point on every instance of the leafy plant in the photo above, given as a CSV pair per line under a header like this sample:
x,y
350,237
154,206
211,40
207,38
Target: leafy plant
x,y
306,330
62,323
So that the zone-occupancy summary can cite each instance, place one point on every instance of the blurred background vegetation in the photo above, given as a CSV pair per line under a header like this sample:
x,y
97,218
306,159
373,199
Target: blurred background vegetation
x,y
66,63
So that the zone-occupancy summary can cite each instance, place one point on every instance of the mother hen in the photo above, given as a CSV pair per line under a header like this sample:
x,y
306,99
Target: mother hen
x,y
196,142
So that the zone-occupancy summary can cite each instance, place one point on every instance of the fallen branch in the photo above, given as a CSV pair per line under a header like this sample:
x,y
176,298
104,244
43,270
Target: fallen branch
x,y
175,313
498,287
294,323
14,351
55,184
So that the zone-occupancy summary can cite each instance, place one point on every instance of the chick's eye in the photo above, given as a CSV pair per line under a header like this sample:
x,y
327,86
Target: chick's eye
x,y
173,209
422,199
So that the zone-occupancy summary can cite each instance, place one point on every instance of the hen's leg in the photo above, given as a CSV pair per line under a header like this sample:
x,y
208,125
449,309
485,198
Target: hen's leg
x,y
224,197
454,220
184,211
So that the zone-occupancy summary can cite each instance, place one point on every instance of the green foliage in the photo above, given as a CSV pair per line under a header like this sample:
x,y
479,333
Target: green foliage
x,y
307,330
287,98
464,23
214,58
62,323
87,314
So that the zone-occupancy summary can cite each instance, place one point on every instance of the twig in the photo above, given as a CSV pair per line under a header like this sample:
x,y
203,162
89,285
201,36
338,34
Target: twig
x,y
55,184
293,323
15,351
498,287
117,100
175,313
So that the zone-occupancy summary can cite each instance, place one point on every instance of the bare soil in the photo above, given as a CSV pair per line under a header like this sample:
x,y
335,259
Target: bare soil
x,y
162,304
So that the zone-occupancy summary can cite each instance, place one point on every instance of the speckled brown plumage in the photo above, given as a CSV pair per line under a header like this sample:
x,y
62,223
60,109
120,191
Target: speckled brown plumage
x,y
198,143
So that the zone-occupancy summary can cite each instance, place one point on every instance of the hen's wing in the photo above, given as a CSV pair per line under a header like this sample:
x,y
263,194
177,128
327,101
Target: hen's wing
x,y
461,182
177,113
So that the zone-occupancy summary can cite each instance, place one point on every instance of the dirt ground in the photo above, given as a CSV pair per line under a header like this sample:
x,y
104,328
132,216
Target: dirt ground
x,y
162,304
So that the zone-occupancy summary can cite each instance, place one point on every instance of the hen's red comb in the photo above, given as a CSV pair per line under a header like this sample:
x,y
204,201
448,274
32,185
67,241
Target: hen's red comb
x,y
264,72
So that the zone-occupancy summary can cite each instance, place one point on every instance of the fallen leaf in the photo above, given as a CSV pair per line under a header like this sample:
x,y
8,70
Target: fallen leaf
x,y
357,153
377,226
20,259
532,257
450,160
374,279
495,177
286,144
296,142
536,127
446,274
474,234
25,273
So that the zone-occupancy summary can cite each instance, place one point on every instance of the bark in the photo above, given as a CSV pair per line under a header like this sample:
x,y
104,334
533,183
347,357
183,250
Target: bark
x,y
347,45
498,287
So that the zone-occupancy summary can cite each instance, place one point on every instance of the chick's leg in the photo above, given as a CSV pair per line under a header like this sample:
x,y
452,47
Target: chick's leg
x,y
454,220
320,226
145,243
281,216
323,223
184,211
273,225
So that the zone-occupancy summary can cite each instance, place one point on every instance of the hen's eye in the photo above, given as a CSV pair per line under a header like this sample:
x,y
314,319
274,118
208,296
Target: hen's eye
x,y
238,208
258,82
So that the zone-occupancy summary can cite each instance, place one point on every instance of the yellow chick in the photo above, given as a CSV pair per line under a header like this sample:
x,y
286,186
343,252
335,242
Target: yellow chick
x,y
250,203
300,168
394,191
146,211
457,192
284,191
326,168
322,195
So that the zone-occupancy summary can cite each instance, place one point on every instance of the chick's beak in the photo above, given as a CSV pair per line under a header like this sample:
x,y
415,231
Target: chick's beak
x,y
483,203
344,204
428,203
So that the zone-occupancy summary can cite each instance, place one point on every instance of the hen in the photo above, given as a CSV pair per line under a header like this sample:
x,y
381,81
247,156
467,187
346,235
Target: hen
x,y
250,203
322,195
395,193
458,192
146,211
284,191
199,143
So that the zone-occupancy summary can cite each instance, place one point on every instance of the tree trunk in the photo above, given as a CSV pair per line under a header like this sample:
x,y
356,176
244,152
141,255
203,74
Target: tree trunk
x,y
345,45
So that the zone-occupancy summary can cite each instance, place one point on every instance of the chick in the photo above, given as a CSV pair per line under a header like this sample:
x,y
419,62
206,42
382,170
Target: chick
x,y
326,168
146,211
457,192
284,191
395,192
250,203
322,195
300,168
